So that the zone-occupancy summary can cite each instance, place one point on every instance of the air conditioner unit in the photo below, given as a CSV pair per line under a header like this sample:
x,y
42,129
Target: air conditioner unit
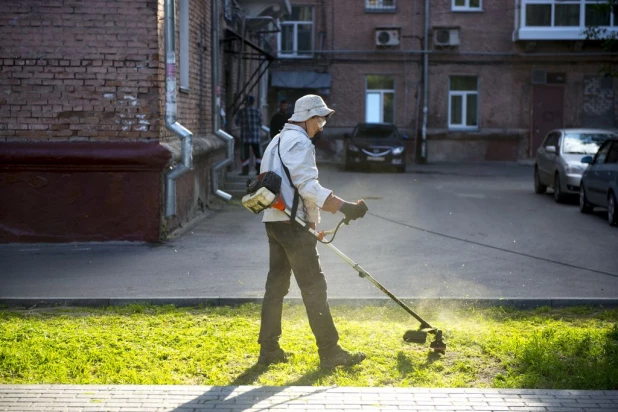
x,y
446,37
387,37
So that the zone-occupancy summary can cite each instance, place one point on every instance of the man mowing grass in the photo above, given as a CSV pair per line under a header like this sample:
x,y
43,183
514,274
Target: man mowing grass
x,y
291,154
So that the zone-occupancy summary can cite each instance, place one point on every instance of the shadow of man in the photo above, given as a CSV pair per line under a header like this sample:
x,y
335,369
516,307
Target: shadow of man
x,y
240,396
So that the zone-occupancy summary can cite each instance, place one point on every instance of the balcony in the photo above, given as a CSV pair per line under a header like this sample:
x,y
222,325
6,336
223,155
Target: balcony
x,y
562,19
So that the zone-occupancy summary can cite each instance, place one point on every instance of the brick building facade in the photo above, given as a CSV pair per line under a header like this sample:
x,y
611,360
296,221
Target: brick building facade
x,y
500,73
85,153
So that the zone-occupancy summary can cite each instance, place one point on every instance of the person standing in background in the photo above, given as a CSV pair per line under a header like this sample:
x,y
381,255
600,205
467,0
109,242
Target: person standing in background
x,y
279,119
249,119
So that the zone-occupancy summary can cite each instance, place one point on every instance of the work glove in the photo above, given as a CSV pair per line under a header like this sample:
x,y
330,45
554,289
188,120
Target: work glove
x,y
353,211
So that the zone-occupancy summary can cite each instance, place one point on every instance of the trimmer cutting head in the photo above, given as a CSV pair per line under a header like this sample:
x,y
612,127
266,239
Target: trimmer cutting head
x,y
415,336
420,336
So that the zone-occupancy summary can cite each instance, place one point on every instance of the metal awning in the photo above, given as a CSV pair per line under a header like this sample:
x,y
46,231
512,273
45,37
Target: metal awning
x,y
301,80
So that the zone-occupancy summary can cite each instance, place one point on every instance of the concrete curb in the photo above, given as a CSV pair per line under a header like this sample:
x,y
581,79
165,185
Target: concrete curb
x,y
519,303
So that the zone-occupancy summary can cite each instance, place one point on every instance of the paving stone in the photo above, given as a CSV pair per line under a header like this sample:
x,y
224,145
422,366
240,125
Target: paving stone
x,y
148,398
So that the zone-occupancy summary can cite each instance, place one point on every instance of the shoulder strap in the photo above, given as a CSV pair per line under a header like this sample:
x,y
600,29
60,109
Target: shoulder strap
x,y
287,173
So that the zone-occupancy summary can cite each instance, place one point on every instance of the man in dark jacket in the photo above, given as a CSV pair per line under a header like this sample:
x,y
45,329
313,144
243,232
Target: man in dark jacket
x,y
279,119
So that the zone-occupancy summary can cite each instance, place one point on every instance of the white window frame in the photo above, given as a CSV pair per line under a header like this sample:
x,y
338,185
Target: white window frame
x,y
380,6
381,93
582,14
466,7
464,104
294,54
184,54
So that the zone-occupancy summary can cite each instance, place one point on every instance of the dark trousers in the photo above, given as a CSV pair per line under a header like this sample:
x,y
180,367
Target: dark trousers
x,y
294,249
245,155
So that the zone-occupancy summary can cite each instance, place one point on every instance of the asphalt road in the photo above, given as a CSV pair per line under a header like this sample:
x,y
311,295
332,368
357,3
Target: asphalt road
x,y
458,231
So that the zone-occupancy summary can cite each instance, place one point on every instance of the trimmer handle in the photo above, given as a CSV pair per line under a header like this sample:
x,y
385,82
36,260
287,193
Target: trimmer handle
x,y
363,206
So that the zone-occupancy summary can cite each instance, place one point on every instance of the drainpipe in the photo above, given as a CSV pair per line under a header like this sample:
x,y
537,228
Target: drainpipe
x,y
425,84
171,121
216,109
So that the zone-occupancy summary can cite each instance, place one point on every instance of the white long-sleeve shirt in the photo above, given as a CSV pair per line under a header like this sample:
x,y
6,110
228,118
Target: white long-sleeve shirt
x,y
298,154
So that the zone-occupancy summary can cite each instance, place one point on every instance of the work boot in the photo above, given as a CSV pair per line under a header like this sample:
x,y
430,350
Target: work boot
x,y
270,356
337,356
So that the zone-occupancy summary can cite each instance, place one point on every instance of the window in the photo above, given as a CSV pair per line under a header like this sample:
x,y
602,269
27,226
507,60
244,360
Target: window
x,y
599,15
183,14
566,13
583,143
463,99
599,158
612,157
552,140
380,99
296,36
466,5
379,5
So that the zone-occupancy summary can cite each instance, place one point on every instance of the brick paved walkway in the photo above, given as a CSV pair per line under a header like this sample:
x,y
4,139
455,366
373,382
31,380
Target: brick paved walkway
x,y
298,398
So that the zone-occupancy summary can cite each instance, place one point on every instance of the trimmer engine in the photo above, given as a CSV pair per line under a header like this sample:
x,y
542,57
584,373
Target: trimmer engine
x,y
262,192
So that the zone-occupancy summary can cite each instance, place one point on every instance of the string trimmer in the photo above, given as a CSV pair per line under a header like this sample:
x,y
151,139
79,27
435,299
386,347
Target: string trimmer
x,y
264,193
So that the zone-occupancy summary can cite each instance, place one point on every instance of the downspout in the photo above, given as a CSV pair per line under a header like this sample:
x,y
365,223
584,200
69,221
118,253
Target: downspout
x,y
241,66
171,121
425,84
216,109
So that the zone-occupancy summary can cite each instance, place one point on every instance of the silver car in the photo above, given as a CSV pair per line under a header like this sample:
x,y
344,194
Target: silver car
x,y
558,161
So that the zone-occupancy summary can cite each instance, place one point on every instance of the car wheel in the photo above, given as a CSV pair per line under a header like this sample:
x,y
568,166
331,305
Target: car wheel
x,y
558,195
584,206
539,188
612,213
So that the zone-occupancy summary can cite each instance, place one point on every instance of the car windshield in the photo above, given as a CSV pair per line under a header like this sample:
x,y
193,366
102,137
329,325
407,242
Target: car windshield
x,y
376,132
583,143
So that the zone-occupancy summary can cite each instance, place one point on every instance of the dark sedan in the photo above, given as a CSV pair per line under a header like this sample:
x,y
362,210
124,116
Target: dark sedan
x,y
375,144
599,186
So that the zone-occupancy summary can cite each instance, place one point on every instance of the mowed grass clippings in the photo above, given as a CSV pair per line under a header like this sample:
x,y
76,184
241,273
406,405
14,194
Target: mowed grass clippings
x,y
574,348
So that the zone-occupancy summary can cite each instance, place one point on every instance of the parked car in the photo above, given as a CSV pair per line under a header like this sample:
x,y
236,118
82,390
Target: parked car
x,y
599,186
375,144
559,159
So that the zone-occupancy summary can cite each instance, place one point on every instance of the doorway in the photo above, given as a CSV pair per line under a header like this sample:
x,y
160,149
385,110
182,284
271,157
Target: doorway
x,y
547,113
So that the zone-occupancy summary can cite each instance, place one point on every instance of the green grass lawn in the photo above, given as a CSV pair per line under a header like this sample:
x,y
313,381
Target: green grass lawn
x,y
575,348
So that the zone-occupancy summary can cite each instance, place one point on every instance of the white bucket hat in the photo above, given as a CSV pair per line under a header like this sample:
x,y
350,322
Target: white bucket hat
x,y
308,106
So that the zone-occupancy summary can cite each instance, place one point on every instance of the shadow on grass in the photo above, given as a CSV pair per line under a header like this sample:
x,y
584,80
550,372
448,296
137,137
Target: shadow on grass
x,y
405,366
251,376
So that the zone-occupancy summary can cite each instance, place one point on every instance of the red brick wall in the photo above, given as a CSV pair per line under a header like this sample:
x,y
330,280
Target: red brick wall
x,y
79,70
194,105
486,50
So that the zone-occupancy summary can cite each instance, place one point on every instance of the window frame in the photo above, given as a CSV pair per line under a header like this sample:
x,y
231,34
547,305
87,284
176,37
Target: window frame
x,y
184,52
613,21
294,54
464,100
466,7
613,149
380,8
381,92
